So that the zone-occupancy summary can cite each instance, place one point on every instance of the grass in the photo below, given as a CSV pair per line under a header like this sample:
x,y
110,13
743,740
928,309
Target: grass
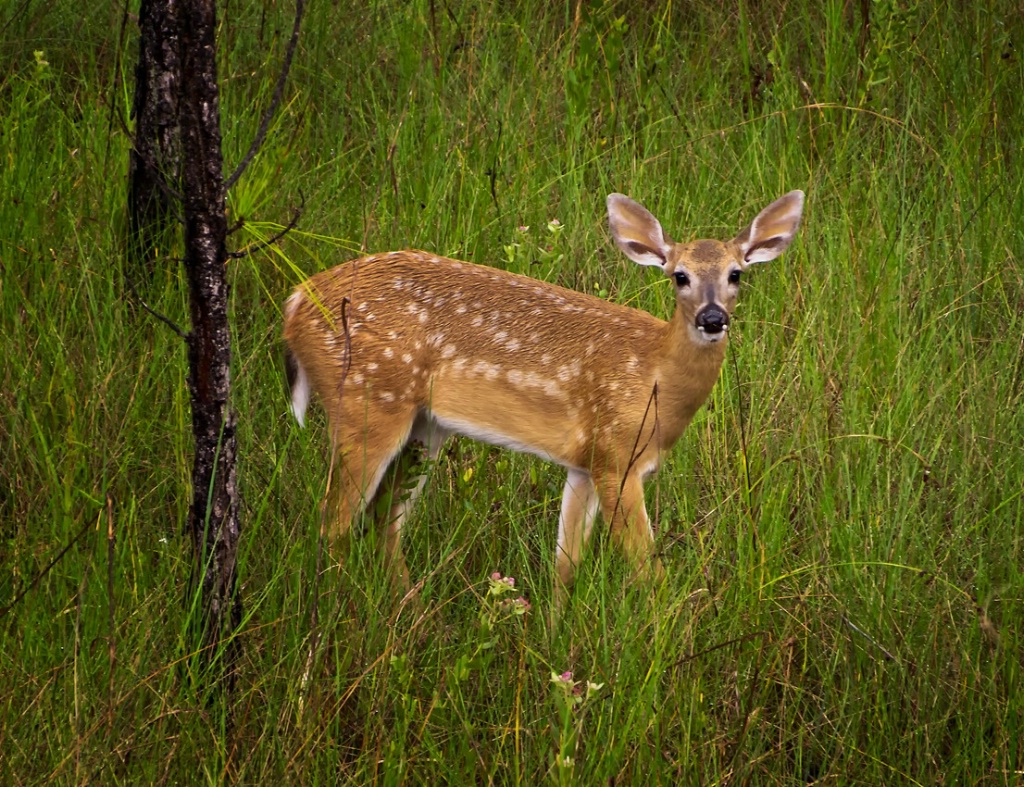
x,y
841,523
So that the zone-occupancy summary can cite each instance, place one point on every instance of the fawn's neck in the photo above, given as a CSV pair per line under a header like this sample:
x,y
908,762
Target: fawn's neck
x,y
687,372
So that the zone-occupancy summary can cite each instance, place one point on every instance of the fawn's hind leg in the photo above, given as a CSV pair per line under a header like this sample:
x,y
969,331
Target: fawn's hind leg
x,y
405,486
365,443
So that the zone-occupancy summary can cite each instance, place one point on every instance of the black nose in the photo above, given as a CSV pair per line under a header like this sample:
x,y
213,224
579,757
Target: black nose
x,y
712,319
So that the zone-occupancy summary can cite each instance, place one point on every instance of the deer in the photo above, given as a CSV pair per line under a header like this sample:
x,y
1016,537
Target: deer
x,y
407,348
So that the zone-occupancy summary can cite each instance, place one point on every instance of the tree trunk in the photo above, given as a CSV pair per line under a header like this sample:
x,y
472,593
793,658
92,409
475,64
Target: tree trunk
x,y
177,156
155,158
213,518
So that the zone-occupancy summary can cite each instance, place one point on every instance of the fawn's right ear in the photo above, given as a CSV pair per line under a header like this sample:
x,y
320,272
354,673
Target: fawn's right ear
x,y
636,231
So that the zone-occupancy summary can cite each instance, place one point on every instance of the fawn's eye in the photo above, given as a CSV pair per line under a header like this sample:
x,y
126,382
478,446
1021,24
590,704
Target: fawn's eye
x,y
734,276
682,280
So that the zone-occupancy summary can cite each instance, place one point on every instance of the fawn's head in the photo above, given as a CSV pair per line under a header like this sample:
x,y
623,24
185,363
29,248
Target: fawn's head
x,y
705,273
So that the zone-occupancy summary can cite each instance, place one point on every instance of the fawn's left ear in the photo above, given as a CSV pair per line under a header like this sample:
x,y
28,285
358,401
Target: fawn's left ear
x,y
772,231
636,231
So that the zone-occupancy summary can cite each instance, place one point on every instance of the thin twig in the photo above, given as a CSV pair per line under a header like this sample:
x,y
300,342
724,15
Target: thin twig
x,y
635,455
750,712
113,85
111,629
493,173
981,204
743,445
869,638
764,635
165,320
261,134
10,21
391,152
255,247
35,580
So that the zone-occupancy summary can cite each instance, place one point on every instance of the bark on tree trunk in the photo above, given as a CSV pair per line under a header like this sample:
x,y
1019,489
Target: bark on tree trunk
x,y
213,519
155,158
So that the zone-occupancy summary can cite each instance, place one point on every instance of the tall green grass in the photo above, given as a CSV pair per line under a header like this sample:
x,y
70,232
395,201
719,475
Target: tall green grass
x,y
841,524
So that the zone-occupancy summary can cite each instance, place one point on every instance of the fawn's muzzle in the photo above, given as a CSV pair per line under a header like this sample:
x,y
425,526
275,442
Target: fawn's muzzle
x,y
712,319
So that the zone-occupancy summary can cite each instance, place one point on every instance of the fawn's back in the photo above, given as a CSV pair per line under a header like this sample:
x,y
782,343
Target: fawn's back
x,y
489,354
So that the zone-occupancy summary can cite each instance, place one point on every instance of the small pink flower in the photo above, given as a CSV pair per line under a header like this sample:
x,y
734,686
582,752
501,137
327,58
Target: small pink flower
x,y
501,584
517,606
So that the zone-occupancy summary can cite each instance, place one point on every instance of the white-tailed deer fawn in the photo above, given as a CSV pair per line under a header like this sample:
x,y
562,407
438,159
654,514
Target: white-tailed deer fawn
x,y
407,348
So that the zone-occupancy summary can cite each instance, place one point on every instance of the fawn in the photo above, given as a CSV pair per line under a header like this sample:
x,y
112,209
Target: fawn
x,y
407,348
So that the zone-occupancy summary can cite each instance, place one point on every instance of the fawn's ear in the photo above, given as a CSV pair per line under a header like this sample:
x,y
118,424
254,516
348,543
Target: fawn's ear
x,y
636,231
772,231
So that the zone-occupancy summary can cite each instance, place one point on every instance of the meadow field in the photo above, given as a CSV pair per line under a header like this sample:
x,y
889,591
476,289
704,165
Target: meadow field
x,y
841,525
